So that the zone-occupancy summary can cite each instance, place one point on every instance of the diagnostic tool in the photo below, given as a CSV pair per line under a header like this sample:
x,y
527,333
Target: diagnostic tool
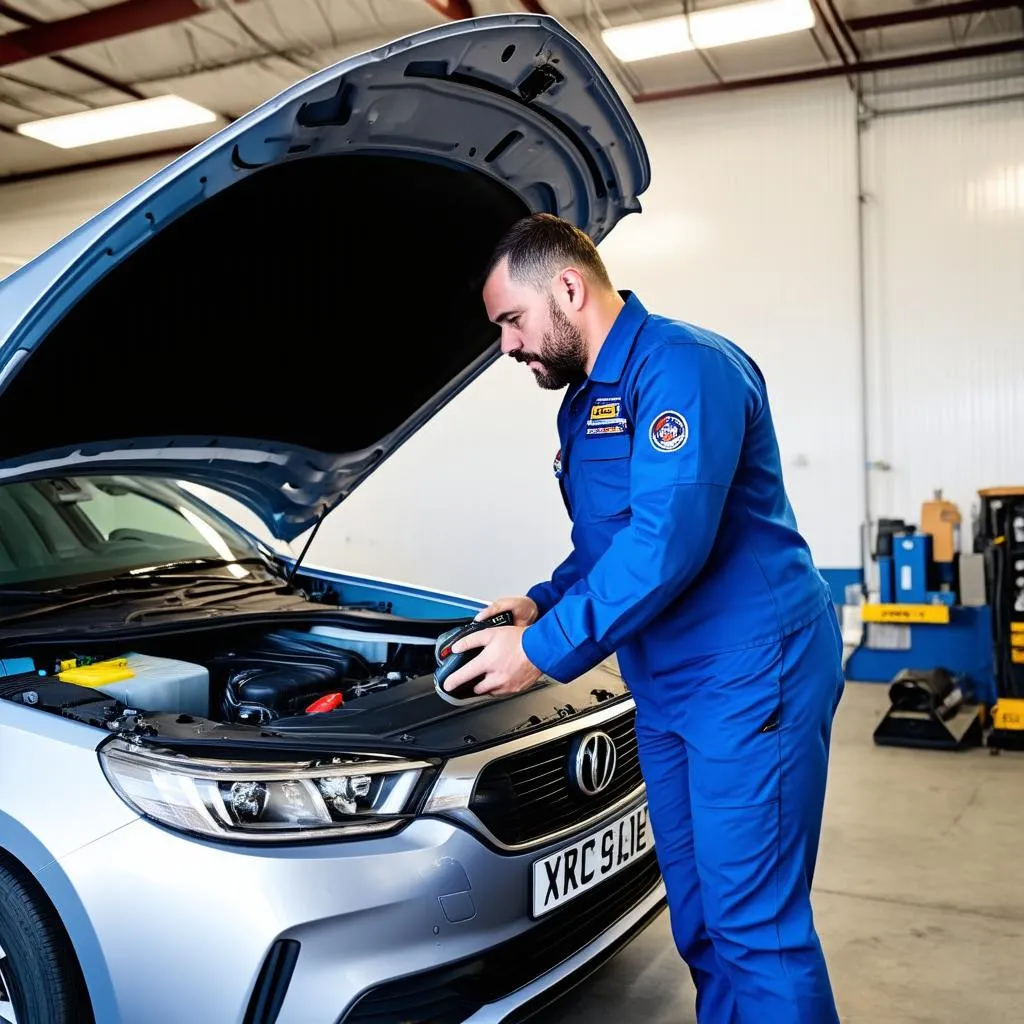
x,y
449,662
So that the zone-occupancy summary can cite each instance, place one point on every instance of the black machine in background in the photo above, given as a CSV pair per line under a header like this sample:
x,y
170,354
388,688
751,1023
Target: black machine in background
x,y
924,579
931,706
999,536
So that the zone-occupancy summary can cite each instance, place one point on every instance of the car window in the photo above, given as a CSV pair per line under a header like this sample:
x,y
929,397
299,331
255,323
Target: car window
x,y
70,528
116,514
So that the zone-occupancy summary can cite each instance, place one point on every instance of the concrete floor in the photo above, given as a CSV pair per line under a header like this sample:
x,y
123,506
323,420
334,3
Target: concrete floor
x,y
919,895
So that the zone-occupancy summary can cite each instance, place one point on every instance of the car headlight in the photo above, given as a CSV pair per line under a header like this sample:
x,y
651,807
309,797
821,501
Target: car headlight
x,y
265,802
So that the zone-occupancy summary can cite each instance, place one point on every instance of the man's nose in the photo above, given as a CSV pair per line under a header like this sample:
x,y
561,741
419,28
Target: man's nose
x,y
509,341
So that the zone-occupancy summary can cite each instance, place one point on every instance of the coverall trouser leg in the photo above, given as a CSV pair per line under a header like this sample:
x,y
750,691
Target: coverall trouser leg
x,y
663,758
734,750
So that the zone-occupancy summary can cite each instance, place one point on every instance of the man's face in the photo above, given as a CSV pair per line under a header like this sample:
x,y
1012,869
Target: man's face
x,y
535,330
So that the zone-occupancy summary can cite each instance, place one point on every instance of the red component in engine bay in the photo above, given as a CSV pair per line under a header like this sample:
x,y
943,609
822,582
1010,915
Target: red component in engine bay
x,y
325,703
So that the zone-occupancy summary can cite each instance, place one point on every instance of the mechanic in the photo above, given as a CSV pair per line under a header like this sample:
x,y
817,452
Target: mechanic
x,y
687,563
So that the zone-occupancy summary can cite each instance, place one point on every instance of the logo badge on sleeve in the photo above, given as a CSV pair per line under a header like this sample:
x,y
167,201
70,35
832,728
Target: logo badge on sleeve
x,y
557,466
669,431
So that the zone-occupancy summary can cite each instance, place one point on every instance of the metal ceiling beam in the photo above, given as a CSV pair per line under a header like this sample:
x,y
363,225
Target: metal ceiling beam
x,y
935,13
836,44
90,165
27,20
844,29
454,9
863,67
46,38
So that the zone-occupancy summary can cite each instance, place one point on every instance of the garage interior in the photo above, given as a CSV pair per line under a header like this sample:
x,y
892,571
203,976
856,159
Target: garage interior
x,y
842,196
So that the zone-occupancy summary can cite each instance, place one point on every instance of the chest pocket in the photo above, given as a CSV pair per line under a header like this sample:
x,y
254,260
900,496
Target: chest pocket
x,y
603,467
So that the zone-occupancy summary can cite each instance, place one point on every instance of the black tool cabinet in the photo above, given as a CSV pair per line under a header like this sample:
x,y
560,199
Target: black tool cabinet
x,y
999,536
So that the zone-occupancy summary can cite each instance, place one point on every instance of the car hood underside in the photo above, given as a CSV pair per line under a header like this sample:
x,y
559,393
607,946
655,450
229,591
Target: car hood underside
x,y
274,313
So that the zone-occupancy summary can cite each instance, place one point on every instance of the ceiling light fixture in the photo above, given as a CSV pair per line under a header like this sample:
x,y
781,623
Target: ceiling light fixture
x,y
704,30
120,121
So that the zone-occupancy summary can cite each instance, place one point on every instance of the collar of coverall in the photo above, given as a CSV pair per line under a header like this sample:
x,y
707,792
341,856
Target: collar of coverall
x,y
611,359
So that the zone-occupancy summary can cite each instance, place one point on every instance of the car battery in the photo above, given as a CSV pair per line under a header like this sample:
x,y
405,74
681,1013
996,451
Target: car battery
x,y
912,556
145,682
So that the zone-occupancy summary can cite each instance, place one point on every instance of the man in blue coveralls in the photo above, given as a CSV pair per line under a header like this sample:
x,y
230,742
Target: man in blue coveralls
x,y
687,563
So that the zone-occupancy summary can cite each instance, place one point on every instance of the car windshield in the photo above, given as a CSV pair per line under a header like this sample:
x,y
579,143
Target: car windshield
x,y
69,529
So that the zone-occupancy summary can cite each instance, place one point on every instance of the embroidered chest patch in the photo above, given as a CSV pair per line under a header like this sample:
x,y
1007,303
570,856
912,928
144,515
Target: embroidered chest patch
x,y
606,417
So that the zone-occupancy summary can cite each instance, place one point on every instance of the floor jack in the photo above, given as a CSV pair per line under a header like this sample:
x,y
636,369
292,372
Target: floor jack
x,y
931,710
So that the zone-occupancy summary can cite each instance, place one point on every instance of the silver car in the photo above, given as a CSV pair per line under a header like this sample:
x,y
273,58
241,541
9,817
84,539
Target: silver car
x,y
229,789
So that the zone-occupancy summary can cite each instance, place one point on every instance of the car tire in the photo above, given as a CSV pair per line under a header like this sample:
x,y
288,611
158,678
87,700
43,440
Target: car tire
x,y
39,973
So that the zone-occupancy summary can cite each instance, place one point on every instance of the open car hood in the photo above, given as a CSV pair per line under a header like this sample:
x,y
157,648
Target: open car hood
x,y
275,312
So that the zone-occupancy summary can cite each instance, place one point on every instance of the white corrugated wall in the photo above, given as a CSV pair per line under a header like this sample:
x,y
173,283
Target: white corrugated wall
x,y
944,222
750,228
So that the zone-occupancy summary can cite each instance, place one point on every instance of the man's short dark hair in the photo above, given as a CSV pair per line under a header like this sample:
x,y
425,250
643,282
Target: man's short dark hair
x,y
539,246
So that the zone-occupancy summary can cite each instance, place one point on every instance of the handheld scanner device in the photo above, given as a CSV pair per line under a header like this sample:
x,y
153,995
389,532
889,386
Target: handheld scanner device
x,y
448,661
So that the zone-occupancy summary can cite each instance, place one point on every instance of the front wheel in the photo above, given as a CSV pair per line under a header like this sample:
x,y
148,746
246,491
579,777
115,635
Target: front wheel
x,y
40,980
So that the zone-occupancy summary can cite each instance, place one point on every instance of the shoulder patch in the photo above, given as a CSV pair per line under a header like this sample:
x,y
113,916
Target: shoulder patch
x,y
669,431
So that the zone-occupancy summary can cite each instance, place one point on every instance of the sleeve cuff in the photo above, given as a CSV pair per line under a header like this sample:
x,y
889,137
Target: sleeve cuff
x,y
542,596
550,650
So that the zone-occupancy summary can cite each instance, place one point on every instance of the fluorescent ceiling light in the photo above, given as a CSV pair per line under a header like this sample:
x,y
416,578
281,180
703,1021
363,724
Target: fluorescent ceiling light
x,y
717,26
121,121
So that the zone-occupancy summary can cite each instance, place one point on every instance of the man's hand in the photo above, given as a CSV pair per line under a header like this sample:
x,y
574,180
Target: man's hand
x,y
524,610
502,663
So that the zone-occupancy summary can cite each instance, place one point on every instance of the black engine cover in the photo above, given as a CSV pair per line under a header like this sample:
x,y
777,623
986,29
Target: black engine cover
x,y
283,676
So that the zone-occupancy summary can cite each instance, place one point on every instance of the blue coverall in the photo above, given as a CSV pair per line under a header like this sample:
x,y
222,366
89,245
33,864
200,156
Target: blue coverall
x,y
686,562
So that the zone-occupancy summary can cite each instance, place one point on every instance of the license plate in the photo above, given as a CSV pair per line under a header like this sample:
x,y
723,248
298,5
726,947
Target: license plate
x,y
561,876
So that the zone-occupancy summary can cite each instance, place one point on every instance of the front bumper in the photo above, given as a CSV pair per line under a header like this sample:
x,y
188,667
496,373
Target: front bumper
x,y
186,927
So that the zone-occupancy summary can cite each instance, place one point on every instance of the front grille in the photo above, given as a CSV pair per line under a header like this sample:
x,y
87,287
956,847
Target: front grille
x,y
528,795
450,994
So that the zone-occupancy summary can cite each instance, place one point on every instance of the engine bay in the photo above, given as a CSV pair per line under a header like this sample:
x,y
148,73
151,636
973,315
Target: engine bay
x,y
298,673
234,676
286,683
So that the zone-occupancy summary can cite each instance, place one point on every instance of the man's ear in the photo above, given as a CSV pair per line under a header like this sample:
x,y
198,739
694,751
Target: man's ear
x,y
573,289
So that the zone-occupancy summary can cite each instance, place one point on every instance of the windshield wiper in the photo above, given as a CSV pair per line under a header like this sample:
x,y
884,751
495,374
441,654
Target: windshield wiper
x,y
175,573
58,606
192,567
179,597
229,598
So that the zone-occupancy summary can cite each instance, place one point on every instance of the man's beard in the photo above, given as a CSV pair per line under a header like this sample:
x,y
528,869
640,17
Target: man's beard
x,y
563,352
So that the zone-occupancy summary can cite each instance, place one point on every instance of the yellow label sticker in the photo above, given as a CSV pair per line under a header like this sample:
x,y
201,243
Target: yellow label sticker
x,y
925,613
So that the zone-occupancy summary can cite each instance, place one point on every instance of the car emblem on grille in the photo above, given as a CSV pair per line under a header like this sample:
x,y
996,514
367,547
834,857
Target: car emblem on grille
x,y
592,764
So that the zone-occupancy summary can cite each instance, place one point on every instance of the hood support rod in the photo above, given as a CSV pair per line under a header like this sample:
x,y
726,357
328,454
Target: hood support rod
x,y
309,541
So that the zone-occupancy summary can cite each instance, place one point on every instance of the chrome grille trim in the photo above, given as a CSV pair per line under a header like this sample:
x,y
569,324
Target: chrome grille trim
x,y
452,790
